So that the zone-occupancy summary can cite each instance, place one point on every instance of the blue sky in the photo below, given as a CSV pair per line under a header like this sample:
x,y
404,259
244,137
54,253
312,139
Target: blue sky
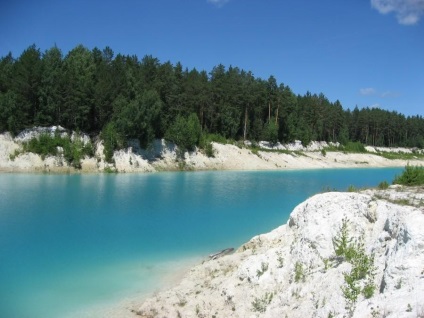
x,y
368,53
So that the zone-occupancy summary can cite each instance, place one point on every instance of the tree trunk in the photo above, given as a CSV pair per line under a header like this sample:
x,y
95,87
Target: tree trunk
x,y
269,111
276,116
245,124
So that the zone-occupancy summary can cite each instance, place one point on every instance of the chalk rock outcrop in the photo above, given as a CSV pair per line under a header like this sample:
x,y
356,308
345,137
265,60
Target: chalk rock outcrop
x,y
293,271
162,155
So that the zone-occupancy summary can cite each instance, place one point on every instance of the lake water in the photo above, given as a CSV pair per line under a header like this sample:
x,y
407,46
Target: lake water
x,y
69,242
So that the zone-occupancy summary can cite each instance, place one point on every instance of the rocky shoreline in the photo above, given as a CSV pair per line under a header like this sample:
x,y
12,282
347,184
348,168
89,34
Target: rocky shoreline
x,y
162,156
294,271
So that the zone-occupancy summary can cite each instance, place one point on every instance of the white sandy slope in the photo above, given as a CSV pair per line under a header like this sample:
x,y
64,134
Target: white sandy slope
x,y
229,286
162,155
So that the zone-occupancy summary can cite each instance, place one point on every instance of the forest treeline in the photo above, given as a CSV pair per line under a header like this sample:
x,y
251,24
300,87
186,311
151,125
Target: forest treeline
x,y
124,97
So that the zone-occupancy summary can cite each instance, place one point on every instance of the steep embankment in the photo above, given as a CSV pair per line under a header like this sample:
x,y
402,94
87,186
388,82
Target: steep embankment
x,y
162,155
294,271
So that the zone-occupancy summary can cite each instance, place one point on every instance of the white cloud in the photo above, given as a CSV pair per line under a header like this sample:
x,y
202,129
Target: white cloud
x,y
367,91
408,12
389,94
218,3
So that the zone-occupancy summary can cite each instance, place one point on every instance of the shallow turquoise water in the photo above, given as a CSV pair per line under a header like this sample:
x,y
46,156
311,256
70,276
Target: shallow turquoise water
x,y
72,241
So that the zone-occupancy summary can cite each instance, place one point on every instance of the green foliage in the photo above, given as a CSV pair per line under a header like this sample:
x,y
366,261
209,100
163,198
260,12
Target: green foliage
x,y
383,185
264,268
11,117
271,131
209,150
299,272
47,145
44,145
260,304
206,140
88,89
109,170
362,267
255,151
355,147
13,155
323,152
351,290
112,140
342,241
369,289
185,132
352,188
280,260
401,155
411,176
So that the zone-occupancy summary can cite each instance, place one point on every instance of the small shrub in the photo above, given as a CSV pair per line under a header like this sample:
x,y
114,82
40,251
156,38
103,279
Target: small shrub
x,y
13,155
368,290
210,153
356,147
255,151
206,143
411,176
383,185
264,268
112,140
299,272
362,267
280,260
47,145
323,152
326,262
109,170
260,304
352,188
342,240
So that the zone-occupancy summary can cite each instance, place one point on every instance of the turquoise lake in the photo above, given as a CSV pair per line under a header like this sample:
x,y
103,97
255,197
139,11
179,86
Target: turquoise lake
x,y
69,242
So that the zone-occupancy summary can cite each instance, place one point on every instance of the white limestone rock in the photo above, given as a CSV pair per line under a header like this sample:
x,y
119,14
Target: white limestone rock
x,y
293,272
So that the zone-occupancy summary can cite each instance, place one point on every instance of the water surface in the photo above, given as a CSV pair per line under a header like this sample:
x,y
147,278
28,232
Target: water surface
x,y
68,242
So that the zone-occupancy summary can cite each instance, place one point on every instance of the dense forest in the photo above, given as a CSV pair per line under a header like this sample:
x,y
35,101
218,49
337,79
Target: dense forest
x,y
120,96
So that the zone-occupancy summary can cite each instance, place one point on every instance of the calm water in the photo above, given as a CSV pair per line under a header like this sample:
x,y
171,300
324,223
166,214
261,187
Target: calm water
x,y
69,242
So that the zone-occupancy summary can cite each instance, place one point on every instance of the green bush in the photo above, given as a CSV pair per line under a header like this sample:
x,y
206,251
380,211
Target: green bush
x,y
209,150
411,176
354,147
299,272
112,140
362,266
185,132
260,304
383,185
47,145
206,140
352,188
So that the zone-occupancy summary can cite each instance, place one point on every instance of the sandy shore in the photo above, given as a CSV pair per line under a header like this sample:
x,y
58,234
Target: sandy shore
x,y
171,274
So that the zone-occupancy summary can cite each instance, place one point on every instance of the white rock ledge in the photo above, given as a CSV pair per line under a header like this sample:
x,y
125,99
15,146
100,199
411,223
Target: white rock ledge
x,y
228,286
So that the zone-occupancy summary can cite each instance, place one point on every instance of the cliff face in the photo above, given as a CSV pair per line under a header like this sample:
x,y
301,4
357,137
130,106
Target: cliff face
x,y
162,155
294,271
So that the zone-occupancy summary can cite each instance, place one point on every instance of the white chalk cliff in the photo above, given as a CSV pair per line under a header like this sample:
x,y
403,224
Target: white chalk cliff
x,y
293,271
162,155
